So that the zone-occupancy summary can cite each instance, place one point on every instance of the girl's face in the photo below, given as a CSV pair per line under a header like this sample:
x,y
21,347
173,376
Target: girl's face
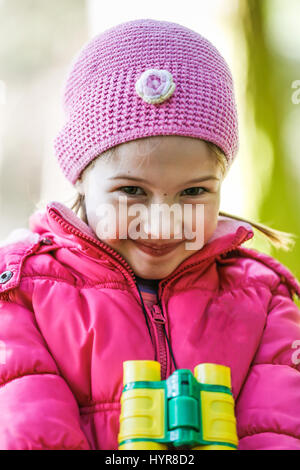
x,y
169,170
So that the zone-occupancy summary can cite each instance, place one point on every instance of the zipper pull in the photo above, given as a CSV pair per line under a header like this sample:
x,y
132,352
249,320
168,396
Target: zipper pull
x,y
157,314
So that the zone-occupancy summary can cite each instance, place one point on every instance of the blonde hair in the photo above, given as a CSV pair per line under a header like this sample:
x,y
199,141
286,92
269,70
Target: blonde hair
x,y
277,238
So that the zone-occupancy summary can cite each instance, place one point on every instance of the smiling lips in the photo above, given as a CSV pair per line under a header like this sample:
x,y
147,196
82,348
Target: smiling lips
x,y
157,250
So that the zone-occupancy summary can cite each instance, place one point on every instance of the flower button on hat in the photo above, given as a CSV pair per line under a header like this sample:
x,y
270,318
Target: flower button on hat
x,y
155,86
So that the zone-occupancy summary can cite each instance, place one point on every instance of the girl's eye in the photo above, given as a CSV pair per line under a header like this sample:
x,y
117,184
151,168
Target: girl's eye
x,y
203,190
131,190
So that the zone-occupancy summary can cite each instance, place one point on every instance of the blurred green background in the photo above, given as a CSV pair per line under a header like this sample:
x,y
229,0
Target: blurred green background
x,y
258,38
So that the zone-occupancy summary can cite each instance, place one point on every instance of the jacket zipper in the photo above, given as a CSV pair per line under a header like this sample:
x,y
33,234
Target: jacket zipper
x,y
159,321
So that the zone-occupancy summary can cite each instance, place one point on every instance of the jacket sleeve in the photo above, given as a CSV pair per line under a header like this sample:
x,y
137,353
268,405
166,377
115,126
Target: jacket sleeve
x,y
37,408
267,408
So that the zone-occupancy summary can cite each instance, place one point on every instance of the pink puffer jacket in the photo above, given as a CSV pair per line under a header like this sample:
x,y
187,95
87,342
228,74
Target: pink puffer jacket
x,y
70,314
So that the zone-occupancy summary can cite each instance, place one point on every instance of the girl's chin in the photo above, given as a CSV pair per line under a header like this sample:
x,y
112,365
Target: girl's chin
x,y
153,268
150,266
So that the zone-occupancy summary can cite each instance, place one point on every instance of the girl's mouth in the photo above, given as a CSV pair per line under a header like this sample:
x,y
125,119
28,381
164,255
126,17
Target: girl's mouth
x,y
157,251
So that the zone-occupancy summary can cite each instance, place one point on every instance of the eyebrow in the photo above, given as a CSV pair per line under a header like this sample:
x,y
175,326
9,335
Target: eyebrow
x,y
195,180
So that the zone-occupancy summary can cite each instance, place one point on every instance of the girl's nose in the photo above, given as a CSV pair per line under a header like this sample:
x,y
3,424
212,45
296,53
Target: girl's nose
x,y
163,222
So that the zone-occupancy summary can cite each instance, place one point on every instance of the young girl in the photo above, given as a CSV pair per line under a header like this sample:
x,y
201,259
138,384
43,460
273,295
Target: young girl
x,y
150,120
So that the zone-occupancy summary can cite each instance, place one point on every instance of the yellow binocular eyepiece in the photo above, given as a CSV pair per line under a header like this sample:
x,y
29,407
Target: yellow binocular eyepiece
x,y
184,410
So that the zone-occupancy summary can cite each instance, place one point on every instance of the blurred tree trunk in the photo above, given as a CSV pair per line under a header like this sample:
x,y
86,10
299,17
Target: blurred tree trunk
x,y
268,92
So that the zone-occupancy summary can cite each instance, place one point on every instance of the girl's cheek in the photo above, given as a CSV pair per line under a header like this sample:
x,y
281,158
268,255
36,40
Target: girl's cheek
x,y
110,222
199,224
194,219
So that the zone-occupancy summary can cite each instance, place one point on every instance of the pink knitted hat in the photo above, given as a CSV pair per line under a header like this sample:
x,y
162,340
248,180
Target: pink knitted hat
x,y
142,78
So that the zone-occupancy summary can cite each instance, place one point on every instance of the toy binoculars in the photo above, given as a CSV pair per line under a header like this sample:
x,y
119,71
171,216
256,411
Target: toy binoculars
x,y
184,410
